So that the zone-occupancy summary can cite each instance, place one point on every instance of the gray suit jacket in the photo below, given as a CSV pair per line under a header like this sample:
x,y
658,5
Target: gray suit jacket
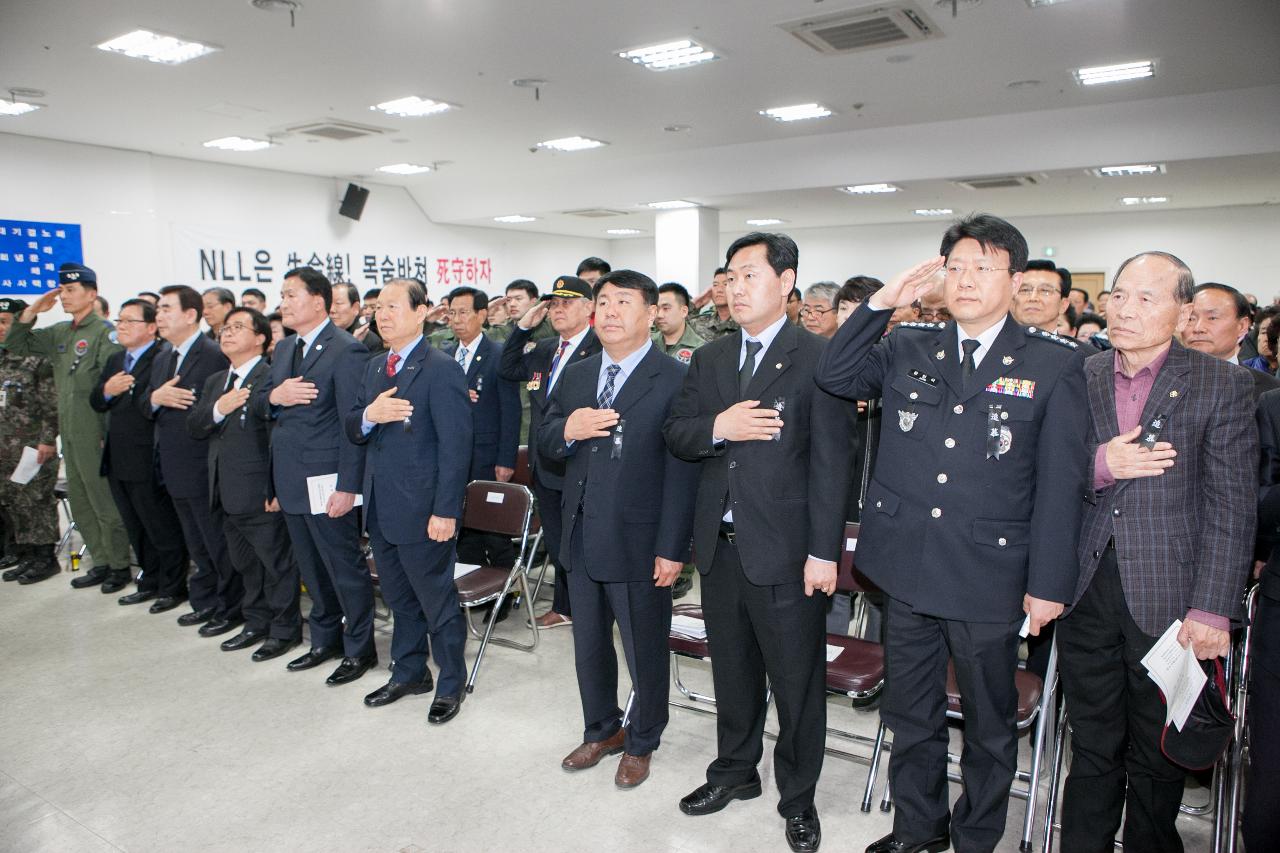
x,y
1183,539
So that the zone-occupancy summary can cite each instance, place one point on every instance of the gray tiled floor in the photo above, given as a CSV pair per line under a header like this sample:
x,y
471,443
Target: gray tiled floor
x,y
121,731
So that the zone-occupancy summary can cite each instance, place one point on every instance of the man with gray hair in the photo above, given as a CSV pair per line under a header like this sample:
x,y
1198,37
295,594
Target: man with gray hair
x,y
1167,534
818,311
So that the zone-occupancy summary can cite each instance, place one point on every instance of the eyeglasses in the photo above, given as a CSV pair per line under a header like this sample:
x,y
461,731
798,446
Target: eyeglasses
x,y
125,321
809,311
1043,292
931,315
980,271
235,327
460,313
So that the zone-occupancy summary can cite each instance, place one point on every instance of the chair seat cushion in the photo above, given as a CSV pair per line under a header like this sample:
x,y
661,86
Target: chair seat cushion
x,y
685,645
1029,686
859,668
480,585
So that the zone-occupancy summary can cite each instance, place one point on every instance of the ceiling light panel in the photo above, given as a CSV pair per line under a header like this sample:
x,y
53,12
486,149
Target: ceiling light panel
x,y
237,143
681,53
571,143
156,47
870,189
1131,200
624,232
675,204
798,112
413,107
17,108
1128,171
1101,74
933,211
759,223
515,219
404,169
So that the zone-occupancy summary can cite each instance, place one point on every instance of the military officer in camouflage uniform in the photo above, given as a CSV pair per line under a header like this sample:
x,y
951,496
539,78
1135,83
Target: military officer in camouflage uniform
x,y
674,335
78,348
28,418
715,323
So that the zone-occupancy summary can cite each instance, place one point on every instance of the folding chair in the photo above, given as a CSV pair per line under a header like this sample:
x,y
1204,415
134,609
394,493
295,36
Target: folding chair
x,y
524,476
367,550
504,509
63,497
692,648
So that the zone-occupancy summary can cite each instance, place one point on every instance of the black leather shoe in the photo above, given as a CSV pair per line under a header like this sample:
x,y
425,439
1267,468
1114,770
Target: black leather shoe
x,y
136,597
804,831
273,648
167,602
709,798
117,579
393,690
38,570
12,574
315,657
9,560
193,618
891,844
93,577
243,640
351,668
221,625
445,708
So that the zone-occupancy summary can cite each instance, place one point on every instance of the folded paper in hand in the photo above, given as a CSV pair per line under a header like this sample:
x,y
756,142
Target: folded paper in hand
x,y
1177,673
319,488
28,467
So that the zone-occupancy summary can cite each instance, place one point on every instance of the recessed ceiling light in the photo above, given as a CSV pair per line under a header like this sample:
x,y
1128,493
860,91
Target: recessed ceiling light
x,y
156,47
404,169
675,204
413,107
237,143
1124,171
1114,73
571,143
798,112
1144,199
763,222
1036,4
17,108
624,232
933,211
673,54
870,189
516,219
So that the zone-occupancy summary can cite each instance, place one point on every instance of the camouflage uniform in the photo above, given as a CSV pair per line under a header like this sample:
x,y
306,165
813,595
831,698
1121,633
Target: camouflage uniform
x,y
709,326
28,418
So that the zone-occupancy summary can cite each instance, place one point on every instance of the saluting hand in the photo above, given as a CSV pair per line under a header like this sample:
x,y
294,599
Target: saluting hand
x,y
294,391
744,422
587,423
172,396
1041,612
118,384
387,408
907,286
41,305
232,400
1128,460
534,315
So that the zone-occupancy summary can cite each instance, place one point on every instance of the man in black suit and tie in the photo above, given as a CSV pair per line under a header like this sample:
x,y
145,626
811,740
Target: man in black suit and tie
x,y
176,380
313,382
129,461
240,489
495,415
540,366
628,503
413,418
1219,321
774,452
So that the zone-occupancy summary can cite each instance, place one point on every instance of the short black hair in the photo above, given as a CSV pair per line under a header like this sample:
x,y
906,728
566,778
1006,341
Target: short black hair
x,y
1244,308
782,252
1070,314
858,289
479,299
353,294
796,294
525,285
1185,287
104,304
1087,298
629,280
253,291
188,298
148,310
315,282
150,293
682,294
594,264
372,293
261,325
1064,282
719,271
991,232
1090,317
416,292
225,296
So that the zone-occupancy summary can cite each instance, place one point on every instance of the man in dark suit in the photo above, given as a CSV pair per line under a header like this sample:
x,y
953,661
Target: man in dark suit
x,y
767,531
1167,535
176,381
129,461
346,314
495,415
628,503
1219,321
540,366
971,518
413,417
239,439
313,382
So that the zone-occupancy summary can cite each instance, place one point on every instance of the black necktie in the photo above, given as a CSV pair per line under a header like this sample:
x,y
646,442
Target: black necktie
x,y
969,345
231,381
296,369
748,368
177,357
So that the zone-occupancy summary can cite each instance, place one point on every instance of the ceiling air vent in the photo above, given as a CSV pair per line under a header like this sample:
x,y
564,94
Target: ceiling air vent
x,y
595,213
864,29
999,182
337,130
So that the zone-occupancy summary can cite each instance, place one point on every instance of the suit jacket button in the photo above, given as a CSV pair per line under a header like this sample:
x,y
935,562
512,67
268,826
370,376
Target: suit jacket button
x,y
1097,554
733,463
959,409
595,449
950,442
879,504
942,478
936,513
1116,511
1002,541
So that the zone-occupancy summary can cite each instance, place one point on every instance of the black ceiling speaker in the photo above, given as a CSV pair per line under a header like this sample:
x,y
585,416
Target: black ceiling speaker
x,y
353,202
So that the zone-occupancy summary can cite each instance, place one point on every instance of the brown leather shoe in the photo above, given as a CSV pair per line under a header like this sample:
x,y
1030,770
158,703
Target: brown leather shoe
x,y
552,619
590,754
632,770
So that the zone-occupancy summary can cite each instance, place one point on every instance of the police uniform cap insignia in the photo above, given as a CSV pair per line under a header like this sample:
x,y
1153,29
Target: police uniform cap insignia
x,y
1033,332
530,347
82,346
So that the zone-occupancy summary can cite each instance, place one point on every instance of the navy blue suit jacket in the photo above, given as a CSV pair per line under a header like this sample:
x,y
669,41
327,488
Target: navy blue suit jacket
x,y
183,459
639,505
495,417
307,440
239,450
417,469
128,451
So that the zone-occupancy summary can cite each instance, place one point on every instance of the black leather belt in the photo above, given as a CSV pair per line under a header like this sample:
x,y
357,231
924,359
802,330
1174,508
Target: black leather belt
x,y
726,532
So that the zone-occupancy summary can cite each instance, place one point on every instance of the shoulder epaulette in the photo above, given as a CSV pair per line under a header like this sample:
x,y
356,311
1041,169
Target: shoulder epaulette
x,y
923,326
1033,332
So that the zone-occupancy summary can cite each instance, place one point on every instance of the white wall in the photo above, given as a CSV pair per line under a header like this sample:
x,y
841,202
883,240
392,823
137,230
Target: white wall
x,y
145,219
1227,244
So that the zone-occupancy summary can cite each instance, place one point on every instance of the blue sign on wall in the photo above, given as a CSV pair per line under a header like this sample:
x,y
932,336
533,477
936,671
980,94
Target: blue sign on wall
x,y
31,252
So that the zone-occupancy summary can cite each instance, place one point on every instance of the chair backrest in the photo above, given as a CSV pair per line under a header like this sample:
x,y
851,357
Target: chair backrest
x,y
848,578
523,476
501,508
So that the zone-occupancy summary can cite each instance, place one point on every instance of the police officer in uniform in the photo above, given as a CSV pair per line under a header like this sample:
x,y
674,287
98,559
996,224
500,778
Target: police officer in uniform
x,y
78,349
971,518
28,418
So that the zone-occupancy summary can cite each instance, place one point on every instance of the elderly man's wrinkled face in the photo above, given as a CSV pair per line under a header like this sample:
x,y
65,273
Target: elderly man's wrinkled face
x,y
1144,311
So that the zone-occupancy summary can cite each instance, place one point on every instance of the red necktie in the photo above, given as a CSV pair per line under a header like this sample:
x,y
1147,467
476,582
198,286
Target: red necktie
x,y
392,361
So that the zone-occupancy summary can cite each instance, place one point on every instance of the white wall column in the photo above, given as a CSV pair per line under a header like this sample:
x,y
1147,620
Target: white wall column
x,y
686,246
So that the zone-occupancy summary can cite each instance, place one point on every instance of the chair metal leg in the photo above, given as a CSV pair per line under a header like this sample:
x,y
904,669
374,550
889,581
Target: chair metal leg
x,y
886,802
1240,684
874,770
1055,782
1048,697
626,712
516,577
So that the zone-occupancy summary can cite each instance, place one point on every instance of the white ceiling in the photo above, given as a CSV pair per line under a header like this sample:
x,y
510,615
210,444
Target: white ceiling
x,y
929,112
